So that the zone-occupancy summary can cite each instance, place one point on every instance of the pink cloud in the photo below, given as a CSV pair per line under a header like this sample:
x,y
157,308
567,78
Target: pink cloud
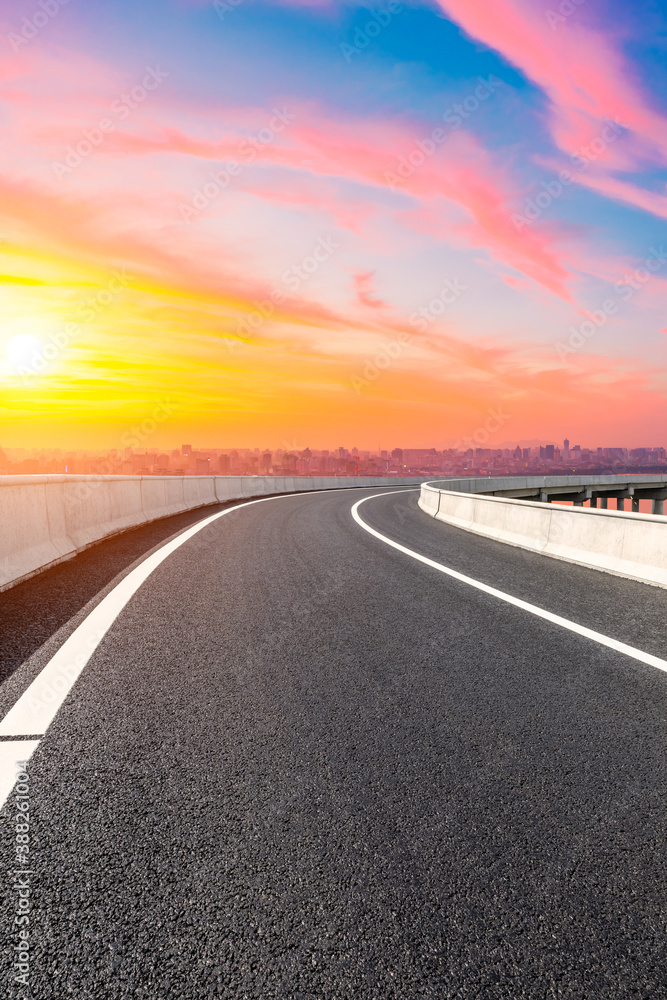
x,y
626,192
363,285
581,70
463,194
463,173
315,195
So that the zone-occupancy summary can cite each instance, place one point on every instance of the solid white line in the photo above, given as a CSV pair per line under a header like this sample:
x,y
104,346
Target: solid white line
x,y
35,710
603,640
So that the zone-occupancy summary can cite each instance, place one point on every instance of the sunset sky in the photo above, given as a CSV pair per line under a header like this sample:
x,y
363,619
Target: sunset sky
x,y
303,223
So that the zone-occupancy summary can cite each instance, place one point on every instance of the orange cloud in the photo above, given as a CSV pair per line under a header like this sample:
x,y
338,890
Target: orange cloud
x,y
181,326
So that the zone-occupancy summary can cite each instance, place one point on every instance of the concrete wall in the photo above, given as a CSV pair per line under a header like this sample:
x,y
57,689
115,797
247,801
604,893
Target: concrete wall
x,y
45,519
627,544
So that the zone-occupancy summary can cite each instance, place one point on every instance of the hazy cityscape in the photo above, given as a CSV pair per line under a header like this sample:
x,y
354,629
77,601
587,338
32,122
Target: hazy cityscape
x,y
189,460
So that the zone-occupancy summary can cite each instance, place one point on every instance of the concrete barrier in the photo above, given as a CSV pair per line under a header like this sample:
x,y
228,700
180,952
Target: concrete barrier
x,y
626,544
33,531
47,519
516,485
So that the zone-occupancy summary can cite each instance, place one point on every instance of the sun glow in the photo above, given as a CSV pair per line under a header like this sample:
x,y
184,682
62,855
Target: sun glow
x,y
24,354
28,346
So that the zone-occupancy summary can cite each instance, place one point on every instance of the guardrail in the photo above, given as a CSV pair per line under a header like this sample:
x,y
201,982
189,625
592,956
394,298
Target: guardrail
x,y
626,544
47,519
576,489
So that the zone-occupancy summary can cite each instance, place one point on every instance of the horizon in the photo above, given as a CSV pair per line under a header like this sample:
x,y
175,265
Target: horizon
x,y
316,448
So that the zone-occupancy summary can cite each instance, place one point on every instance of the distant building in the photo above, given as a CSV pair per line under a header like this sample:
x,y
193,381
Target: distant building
x,y
420,457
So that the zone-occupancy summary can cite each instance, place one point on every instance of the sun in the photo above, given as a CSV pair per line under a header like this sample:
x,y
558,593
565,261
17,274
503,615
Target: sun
x,y
24,354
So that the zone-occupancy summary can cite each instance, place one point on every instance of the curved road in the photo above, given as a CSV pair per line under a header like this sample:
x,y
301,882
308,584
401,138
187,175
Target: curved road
x,y
302,764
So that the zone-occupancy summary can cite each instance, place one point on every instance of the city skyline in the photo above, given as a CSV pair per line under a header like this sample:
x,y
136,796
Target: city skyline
x,y
194,460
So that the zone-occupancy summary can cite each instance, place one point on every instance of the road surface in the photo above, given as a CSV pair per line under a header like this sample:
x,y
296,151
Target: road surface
x,y
303,764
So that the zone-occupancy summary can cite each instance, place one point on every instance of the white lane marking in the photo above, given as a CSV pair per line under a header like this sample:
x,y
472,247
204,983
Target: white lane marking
x,y
35,710
11,752
603,640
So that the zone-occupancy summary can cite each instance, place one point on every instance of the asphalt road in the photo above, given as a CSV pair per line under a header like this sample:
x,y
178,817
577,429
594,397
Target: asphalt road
x,y
303,765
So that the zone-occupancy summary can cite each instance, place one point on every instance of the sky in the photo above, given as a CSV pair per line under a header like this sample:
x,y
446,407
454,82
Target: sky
x,y
308,223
